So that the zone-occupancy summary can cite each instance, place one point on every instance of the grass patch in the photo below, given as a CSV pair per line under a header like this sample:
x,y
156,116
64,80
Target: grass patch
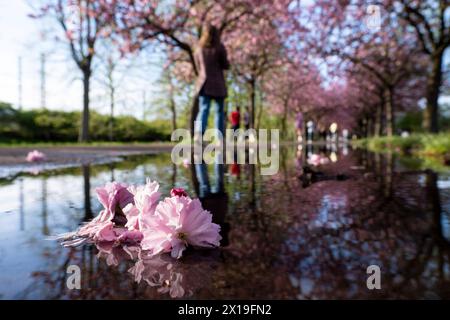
x,y
432,148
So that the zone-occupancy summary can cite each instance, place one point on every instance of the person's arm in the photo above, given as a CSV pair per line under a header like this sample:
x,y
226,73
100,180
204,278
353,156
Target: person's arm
x,y
224,63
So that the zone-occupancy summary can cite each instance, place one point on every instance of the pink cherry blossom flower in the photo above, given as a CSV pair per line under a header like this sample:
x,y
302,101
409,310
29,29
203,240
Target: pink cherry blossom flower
x,y
114,197
177,223
180,192
106,233
35,156
145,198
130,237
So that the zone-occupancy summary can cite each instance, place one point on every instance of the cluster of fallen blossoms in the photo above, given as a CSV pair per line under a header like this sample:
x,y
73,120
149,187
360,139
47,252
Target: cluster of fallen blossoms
x,y
35,156
317,160
135,215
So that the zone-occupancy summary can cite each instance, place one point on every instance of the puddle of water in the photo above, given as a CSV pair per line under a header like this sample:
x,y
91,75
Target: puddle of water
x,y
302,233
11,171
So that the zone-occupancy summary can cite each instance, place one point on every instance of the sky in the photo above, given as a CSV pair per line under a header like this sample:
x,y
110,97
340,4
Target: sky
x,y
22,36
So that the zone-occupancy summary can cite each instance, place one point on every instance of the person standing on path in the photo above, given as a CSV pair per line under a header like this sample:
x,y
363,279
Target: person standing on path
x,y
235,118
211,60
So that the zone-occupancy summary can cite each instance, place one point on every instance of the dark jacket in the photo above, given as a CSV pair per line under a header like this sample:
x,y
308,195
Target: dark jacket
x,y
210,63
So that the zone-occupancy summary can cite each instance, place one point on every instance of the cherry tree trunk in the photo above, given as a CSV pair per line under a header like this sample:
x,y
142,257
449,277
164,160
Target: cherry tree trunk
x,y
111,116
390,117
366,127
284,121
173,110
84,129
370,126
434,81
378,121
260,110
434,200
252,103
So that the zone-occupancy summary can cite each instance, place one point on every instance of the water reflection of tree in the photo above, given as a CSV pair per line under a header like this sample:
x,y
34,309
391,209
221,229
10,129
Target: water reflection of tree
x,y
45,229
392,229
21,205
87,192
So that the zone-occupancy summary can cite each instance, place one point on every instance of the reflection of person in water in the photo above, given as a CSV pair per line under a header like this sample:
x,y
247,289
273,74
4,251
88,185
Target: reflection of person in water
x,y
299,159
235,176
299,126
235,170
214,199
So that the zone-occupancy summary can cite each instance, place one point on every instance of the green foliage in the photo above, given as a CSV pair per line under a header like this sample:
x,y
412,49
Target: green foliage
x,y
163,126
411,122
406,145
60,126
438,144
431,148
444,119
431,144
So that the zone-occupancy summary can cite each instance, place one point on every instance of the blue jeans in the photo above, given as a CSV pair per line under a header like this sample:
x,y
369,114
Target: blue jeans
x,y
202,117
205,188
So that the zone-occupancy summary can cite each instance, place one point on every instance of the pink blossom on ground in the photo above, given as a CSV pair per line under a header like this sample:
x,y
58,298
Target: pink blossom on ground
x,y
35,156
177,223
